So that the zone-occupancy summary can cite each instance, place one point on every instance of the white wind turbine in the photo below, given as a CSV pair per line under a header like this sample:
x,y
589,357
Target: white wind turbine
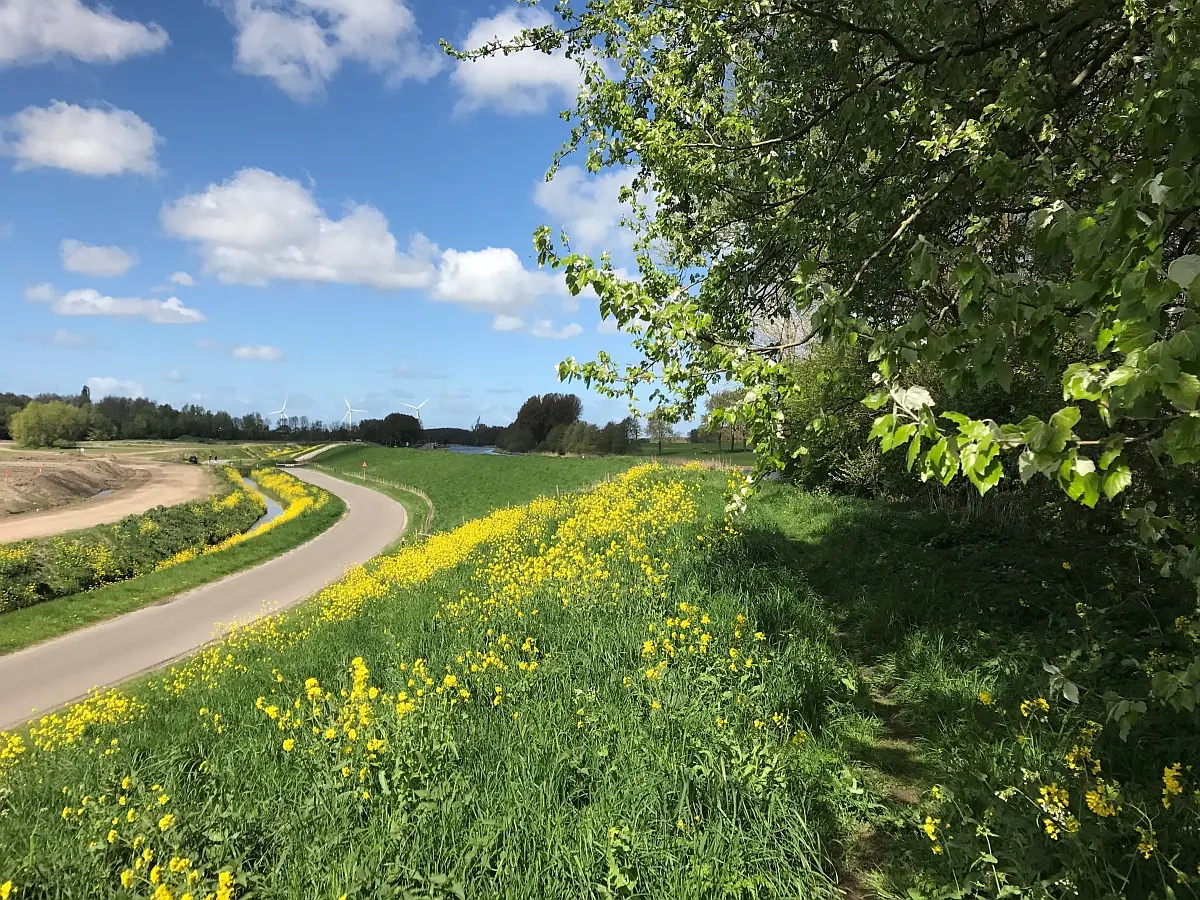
x,y
279,413
350,411
418,409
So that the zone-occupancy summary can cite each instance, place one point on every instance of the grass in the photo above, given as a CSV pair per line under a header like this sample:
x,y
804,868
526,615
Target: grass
x,y
617,695
467,486
43,621
703,451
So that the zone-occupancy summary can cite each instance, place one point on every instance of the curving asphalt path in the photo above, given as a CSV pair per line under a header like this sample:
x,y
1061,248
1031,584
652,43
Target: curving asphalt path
x,y
49,675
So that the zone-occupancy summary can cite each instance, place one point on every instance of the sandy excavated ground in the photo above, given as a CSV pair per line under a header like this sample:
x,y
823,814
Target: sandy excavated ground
x,y
62,491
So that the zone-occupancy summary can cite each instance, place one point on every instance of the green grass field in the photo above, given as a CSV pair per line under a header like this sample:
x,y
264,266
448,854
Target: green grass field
x,y
619,695
24,627
466,486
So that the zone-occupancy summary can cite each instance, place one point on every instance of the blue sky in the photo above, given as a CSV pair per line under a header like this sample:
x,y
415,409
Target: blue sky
x,y
345,211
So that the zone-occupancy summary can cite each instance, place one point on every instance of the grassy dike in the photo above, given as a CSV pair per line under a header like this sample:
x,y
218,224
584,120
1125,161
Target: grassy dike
x,y
25,627
468,486
615,693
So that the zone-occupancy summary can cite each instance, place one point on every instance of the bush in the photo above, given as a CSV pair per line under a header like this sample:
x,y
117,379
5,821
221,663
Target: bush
x,y
38,570
828,419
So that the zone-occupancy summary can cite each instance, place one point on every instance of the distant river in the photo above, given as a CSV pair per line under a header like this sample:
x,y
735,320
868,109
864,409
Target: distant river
x,y
463,448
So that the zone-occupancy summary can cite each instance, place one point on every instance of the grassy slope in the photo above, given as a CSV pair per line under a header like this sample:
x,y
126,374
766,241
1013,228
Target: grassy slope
x,y
464,486
25,627
883,624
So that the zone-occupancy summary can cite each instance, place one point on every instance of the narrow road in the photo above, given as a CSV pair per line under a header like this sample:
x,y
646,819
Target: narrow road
x,y
47,676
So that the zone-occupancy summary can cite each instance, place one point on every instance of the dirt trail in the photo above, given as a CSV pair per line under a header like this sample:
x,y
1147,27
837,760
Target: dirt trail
x,y
143,485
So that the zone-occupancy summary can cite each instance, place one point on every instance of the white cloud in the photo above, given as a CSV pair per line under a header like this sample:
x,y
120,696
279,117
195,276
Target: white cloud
x,y
183,278
523,82
608,326
587,206
301,44
64,338
259,226
89,141
106,386
508,323
102,262
544,328
258,351
91,302
174,377
538,328
37,31
492,279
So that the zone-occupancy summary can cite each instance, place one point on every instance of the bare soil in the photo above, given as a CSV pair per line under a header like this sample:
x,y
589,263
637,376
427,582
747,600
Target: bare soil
x,y
49,493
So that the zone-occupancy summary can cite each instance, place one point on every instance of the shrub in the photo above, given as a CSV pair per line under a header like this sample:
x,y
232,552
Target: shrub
x,y
37,570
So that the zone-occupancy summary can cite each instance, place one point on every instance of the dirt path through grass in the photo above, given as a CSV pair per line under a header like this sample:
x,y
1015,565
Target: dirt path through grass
x,y
165,484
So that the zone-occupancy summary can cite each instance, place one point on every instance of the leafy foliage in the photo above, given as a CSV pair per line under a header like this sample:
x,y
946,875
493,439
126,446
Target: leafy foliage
x,y
975,194
38,570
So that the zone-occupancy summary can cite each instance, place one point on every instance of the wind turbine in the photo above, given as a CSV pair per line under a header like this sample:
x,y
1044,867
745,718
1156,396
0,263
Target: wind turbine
x,y
279,413
350,411
418,409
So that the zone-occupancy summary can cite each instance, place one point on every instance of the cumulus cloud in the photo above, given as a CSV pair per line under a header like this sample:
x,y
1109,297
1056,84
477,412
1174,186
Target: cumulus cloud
x,y
259,226
102,262
174,376
538,328
608,326
89,141
301,44
544,328
492,279
106,386
37,31
90,302
587,206
183,279
524,82
60,337
508,323
261,352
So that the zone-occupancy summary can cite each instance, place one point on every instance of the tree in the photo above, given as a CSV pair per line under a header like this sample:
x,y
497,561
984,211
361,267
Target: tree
x,y
979,188
47,424
516,439
658,427
973,195
85,396
720,415
539,414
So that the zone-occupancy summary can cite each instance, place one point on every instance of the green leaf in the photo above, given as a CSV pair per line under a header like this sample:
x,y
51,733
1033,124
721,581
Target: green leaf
x,y
1184,270
1182,440
914,450
1185,392
883,425
1186,344
876,399
1117,480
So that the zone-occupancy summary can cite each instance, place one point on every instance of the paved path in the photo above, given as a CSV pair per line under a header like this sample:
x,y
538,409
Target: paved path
x,y
48,675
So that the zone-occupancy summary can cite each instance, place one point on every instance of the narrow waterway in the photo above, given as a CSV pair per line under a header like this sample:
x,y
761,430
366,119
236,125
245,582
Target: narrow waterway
x,y
274,510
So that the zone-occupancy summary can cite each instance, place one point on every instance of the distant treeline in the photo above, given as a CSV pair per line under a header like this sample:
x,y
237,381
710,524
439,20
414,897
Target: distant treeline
x,y
48,419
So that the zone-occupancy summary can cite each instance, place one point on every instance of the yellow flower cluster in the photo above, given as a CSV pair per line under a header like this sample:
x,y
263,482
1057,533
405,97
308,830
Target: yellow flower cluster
x,y
629,511
1172,787
592,549
1054,801
299,496
98,709
134,823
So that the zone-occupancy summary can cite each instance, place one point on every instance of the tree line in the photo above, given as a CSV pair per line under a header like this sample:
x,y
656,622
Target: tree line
x,y
552,423
48,420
